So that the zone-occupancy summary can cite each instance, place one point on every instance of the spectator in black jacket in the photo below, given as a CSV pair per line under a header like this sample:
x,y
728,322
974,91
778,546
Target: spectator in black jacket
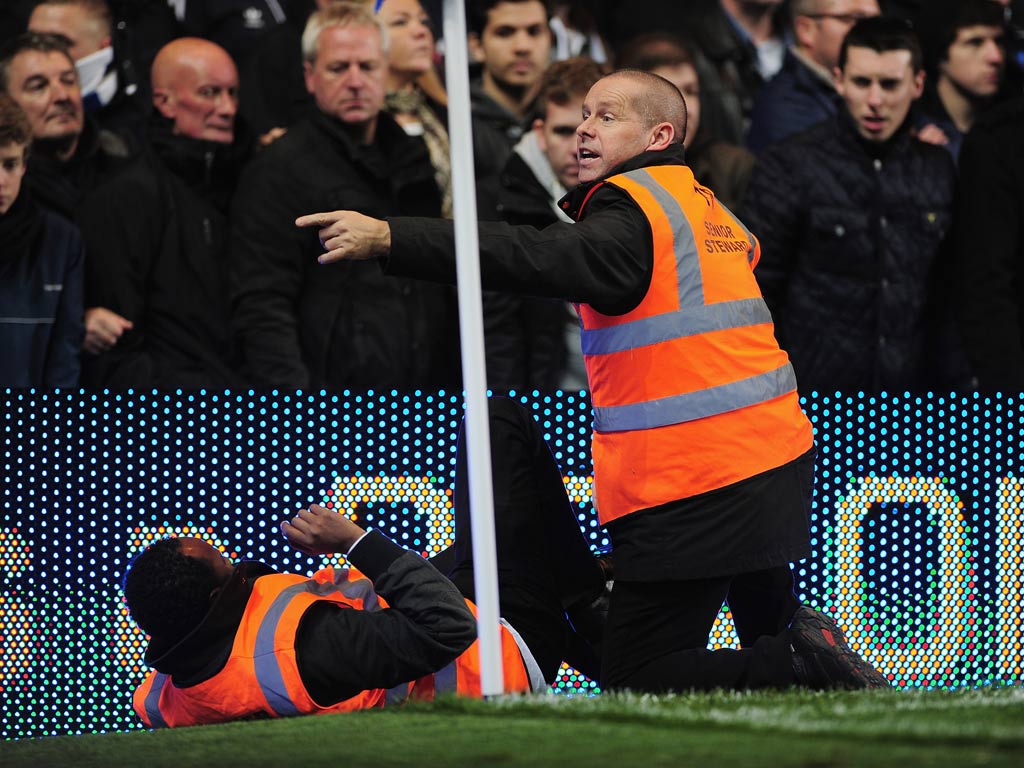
x,y
236,26
851,215
511,42
157,234
299,325
40,274
533,343
989,273
89,26
71,154
964,43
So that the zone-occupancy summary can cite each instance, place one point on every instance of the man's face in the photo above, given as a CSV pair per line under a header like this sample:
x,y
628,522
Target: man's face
x,y
348,75
878,89
202,96
86,33
12,170
612,130
975,61
821,35
202,550
556,135
684,77
515,46
45,85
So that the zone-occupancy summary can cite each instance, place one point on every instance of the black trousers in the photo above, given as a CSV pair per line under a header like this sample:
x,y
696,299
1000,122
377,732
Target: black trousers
x,y
544,563
657,633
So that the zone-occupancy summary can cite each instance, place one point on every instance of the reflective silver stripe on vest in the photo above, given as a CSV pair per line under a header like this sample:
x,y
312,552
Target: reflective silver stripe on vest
x,y
446,679
152,704
675,325
696,405
537,681
694,315
268,669
690,283
396,695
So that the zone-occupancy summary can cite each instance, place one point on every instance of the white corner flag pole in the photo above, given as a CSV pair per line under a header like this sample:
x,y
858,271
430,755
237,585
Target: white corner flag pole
x,y
474,379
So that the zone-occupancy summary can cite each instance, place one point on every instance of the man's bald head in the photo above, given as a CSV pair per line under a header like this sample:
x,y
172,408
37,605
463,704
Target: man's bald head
x,y
656,100
195,84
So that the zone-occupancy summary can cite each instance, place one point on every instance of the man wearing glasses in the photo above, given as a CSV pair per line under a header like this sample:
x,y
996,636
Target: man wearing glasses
x,y
803,93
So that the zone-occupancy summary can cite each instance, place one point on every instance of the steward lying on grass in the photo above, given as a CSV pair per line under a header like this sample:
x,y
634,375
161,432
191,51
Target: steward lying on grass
x,y
235,642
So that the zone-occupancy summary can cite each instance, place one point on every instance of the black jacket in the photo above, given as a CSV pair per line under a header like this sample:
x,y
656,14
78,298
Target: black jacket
x,y
850,232
41,263
238,26
61,186
157,243
340,651
344,325
989,261
495,132
525,336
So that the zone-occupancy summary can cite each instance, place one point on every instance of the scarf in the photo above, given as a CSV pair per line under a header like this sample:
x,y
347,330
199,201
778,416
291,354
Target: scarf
x,y
434,134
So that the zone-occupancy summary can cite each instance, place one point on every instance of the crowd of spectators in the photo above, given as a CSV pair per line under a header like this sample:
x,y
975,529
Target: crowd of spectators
x,y
154,155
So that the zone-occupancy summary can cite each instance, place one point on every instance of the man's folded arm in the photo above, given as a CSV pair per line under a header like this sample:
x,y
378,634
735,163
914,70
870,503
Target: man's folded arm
x,y
343,651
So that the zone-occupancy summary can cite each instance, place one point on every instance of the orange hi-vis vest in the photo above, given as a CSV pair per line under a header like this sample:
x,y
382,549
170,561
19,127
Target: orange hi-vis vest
x,y
690,389
261,676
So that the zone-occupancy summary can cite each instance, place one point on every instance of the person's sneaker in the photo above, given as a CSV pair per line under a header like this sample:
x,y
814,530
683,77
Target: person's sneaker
x,y
823,659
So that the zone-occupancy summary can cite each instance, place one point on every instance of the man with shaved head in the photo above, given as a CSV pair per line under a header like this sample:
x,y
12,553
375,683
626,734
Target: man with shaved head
x,y
156,277
703,460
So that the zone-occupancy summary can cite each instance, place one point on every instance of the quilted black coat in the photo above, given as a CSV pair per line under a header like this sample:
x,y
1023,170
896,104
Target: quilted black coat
x,y
850,236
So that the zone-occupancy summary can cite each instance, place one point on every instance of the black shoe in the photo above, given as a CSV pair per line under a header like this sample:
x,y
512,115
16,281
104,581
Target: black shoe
x,y
823,659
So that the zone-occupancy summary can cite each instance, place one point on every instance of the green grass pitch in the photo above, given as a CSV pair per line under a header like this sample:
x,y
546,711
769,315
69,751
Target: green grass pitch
x,y
963,728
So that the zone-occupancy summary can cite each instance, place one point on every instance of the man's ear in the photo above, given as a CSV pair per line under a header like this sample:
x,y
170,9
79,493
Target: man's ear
x,y
804,29
476,50
918,84
164,103
537,126
307,73
662,136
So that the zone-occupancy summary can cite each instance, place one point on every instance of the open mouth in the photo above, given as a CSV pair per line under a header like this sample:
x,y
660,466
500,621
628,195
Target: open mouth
x,y
586,154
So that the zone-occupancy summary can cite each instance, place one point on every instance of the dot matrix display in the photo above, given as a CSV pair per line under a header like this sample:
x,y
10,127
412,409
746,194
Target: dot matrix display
x,y
916,526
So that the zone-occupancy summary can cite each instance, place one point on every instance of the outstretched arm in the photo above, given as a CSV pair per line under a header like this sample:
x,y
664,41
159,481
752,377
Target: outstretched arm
x,y
605,260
